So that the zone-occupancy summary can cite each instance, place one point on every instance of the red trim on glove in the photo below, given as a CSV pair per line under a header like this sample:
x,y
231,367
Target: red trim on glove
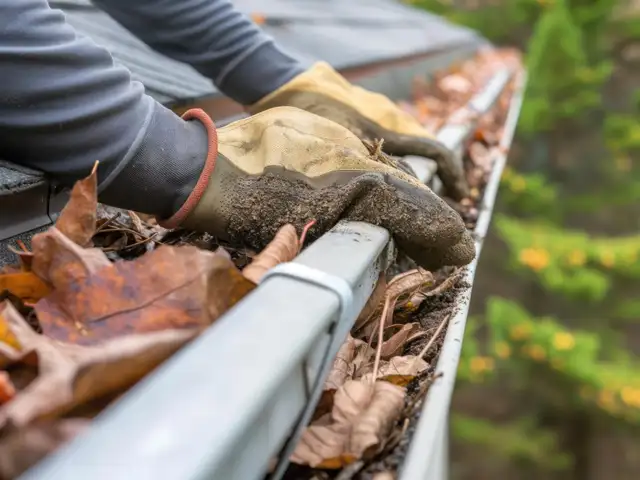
x,y
209,164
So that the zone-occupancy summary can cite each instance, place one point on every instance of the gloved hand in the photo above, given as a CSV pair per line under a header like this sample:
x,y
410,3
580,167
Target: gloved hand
x,y
285,165
323,91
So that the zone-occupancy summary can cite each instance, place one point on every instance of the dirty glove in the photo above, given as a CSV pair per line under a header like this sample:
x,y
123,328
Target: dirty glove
x,y
323,91
285,165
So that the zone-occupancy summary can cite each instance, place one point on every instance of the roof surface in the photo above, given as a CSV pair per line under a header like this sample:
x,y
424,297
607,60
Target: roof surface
x,y
344,33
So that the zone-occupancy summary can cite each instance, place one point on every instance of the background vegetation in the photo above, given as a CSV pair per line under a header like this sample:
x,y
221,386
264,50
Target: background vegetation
x,y
550,380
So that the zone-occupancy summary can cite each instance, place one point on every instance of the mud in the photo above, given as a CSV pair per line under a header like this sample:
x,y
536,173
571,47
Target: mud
x,y
423,226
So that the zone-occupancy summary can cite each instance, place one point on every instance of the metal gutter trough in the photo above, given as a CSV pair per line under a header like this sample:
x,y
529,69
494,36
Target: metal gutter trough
x,y
191,420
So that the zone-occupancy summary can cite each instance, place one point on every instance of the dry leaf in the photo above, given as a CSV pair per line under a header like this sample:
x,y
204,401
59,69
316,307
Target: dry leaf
x,y
65,376
7,389
283,248
362,417
352,357
399,370
22,449
165,288
77,220
374,301
27,286
402,285
394,345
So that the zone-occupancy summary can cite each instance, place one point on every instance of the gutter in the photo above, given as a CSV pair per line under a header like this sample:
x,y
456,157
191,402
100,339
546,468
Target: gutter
x,y
183,422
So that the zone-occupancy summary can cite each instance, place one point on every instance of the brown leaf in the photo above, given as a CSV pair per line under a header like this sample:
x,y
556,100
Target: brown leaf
x,y
77,220
66,375
226,285
399,370
401,286
351,358
363,415
91,301
22,449
27,286
375,300
394,345
283,248
7,389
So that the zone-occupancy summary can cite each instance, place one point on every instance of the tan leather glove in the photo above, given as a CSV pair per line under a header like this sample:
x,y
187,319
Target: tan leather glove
x,y
285,165
323,91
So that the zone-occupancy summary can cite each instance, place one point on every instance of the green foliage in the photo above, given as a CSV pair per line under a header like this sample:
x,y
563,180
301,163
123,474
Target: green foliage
x,y
519,440
566,367
571,263
529,194
562,85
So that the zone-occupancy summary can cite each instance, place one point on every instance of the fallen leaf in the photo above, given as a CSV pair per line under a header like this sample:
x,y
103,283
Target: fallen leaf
x,y
27,286
92,301
401,286
399,370
23,448
394,345
7,389
283,248
67,375
226,285
350,359
373,302
362,417
77,220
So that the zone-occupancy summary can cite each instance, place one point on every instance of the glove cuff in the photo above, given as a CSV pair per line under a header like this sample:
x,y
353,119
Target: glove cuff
x,y
212,153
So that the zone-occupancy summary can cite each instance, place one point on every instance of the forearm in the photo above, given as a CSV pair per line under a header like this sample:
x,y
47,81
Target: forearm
x,y
212,36
64,105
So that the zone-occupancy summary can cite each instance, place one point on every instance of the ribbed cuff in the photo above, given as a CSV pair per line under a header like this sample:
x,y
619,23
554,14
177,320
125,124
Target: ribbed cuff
x,y
259,72
162,168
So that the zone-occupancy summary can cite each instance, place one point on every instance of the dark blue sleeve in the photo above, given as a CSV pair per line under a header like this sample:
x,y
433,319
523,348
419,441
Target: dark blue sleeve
x,y
64,105
212,36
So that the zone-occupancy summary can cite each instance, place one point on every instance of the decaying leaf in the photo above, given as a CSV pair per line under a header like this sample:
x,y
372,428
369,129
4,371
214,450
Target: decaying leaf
x,y
363,414
416,299
65,375
77,220
22,449
7,389
399,370
400,286
394,345
375,300
352,357
94,299
27,286
283,248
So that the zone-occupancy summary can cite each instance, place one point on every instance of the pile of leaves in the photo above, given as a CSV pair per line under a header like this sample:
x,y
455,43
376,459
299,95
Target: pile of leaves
x,y
105,296
78,329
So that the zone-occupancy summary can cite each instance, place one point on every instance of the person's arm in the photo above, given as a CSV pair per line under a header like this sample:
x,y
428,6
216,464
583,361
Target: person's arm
x,y
212,36
64,105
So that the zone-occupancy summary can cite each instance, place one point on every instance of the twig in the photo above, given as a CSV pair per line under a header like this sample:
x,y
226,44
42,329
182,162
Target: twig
x,y
350,471
432,339
376,363
421,393
127,247
107,223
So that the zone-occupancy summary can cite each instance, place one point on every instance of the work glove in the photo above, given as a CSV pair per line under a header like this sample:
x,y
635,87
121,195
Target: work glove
x,y
323,91
285,165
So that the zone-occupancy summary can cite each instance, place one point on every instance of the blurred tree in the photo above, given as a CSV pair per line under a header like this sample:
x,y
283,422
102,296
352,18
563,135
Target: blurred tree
x,y
558,210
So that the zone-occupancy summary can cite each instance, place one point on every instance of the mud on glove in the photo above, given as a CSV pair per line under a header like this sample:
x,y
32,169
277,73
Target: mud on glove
x,y
286,165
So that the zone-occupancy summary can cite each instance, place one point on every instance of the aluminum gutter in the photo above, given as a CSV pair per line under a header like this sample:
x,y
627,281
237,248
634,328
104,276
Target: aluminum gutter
x,y
270,355
427,457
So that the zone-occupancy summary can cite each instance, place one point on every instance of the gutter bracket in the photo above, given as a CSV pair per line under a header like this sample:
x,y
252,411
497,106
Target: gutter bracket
x,y
339,330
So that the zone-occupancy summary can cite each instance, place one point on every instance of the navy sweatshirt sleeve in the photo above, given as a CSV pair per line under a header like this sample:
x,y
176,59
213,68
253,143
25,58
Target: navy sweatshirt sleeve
x,y
64,103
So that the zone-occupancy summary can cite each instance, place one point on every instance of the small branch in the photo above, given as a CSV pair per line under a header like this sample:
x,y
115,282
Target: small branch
x,y
376,364
433,338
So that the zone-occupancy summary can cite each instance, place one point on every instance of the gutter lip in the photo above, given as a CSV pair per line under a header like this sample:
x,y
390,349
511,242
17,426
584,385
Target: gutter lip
x,y
432,424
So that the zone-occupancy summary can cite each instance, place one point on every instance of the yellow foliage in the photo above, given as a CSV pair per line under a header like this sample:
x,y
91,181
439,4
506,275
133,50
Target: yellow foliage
x,y
534,258
521,331
577,258
503,350
563,341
